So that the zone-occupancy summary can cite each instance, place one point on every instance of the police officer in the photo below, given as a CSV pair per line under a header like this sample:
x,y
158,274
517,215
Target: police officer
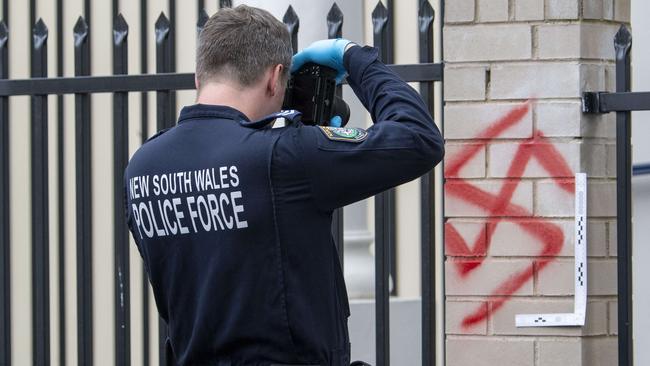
x,y
232,218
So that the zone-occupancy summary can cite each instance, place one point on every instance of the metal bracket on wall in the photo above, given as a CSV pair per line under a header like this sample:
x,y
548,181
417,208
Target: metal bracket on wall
x,y
604,102
577,318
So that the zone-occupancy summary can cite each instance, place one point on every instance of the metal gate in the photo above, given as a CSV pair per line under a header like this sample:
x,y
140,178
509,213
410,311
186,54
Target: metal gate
x,y
623,101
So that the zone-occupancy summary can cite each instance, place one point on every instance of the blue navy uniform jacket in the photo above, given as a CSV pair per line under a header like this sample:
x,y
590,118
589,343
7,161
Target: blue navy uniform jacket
x,y
233,221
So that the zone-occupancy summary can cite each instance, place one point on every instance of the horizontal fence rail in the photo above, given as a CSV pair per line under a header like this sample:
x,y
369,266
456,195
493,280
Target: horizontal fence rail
x,y
641,169
165,82
162,81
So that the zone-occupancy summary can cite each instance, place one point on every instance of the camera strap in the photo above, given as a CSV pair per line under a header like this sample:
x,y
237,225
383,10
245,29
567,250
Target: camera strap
x,y
290,115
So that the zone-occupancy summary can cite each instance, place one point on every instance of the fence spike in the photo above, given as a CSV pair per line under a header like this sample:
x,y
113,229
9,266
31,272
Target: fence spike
x,y
4,33
80,31
291,20
203,18
162,27
426,15
225,4
120,29
380,32
379,17
623,39
40,33
334,22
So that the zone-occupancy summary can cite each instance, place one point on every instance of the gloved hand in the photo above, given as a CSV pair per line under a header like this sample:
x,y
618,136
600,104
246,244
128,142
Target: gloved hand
x,y
336,121
327,52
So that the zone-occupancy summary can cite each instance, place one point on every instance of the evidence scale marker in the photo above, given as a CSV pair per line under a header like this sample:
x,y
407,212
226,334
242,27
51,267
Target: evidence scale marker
x,y
577,318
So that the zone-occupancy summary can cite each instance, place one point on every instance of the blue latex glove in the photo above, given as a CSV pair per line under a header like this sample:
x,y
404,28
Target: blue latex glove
x,y
327,52
336,121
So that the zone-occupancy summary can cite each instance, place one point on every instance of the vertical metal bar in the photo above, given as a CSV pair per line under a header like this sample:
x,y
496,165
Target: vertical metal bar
x,y
163,64
390,33
200,23
5,244
61,185
116,8
172,55
32,12
83,198
439,352
427,182
40,200
291,20
388,57
163,121
144,69
87,17
622,44
225,4
162,342
384,223
5,12
335,30
120,159
383,40
32,21
200,5
144,118
334,22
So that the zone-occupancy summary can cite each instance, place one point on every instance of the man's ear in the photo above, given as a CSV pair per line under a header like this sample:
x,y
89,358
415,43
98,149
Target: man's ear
x,y
277,72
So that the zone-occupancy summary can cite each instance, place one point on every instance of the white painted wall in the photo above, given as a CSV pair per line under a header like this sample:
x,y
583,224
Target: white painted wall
x,y
641,184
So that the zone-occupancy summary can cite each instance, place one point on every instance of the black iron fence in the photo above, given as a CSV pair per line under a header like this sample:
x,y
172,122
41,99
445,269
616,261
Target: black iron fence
x,y
165,83
623,101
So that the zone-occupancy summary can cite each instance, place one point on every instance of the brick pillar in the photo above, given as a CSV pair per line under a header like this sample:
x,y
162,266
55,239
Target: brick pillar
x,y
515,71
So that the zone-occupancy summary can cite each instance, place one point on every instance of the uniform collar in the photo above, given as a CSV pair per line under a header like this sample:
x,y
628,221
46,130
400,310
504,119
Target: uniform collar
x,y
197,111
211,111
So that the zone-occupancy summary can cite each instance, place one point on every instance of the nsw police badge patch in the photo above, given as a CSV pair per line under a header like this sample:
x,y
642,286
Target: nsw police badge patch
x,y
346,134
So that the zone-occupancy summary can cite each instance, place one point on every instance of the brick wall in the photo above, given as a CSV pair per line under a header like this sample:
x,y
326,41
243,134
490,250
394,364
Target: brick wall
x,y
515,71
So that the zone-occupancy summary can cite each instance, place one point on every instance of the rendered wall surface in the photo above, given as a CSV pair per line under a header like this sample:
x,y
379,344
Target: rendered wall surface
x,y
515,71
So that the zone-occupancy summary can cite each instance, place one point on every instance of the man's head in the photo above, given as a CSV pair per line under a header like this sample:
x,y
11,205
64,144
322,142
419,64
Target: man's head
x,y
244,48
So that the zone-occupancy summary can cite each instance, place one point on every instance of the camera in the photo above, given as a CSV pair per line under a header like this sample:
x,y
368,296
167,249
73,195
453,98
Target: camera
x,y
312,91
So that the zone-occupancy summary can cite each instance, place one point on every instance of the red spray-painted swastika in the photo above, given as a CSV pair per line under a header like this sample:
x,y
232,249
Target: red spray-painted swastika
x,y
499,207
